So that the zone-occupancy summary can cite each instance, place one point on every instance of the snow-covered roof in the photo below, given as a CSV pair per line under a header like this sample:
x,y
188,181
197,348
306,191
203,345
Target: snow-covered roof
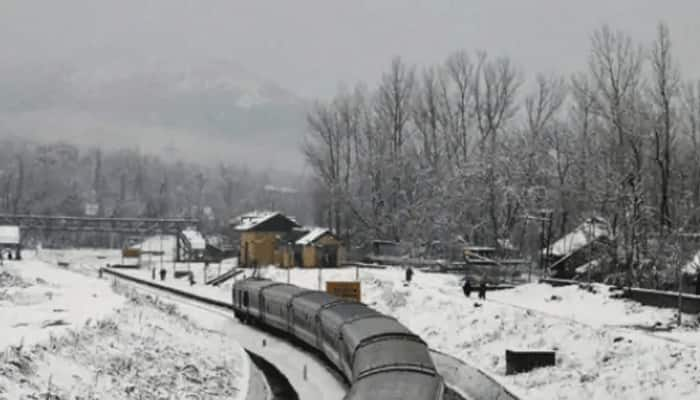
x,y
280,189
506,244
693,267
9,234
584,234
195,238
252,219
312,236
593,264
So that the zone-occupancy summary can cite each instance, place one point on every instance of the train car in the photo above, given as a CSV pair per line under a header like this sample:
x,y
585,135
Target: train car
x,y
247,301
332,319
397,385
305,309
277,304
380,357
381,342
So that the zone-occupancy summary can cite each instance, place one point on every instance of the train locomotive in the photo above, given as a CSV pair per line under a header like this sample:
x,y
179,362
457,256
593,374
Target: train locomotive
x,y
379,357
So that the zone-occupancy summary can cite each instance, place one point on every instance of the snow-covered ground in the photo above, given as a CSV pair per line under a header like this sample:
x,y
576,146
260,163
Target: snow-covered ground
x,y
326,384
594,361
73,336
39,300
600,354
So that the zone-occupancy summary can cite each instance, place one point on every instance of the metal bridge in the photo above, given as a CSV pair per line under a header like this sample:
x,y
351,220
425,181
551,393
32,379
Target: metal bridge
x,y
135,226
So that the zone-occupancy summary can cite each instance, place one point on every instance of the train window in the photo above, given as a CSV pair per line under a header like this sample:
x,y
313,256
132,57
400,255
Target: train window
x,y
245,299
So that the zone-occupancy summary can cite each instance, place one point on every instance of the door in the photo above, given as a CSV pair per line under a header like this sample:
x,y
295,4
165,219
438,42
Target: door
x,y
245,254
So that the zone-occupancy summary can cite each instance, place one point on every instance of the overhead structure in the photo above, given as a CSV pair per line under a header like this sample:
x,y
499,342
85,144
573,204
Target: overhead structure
x,y
135,226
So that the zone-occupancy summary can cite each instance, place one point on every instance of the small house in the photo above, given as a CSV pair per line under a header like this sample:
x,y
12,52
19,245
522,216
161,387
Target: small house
x,y
262,235
584,244
319,247
10,241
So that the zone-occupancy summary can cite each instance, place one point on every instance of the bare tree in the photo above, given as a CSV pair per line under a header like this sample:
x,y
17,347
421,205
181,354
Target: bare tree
x,y
460,71
541,109
691,113
615,65
665,90
393,111
494,92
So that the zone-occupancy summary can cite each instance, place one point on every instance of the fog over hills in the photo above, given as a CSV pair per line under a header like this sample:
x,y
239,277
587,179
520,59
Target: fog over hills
x,y
205,110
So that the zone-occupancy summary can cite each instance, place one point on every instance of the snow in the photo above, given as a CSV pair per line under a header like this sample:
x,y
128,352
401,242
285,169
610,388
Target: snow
x,y
692,267
252,219
279,189
604,346
145,349
579,237
599,354
325,385
9,234
49,294
72,334
195,238
165,243
312,236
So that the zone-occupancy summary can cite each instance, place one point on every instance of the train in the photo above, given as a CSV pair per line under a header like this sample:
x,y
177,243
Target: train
x,y
379,357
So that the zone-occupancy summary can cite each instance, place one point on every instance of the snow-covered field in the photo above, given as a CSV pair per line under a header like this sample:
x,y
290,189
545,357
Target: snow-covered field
x,y
289,359
73,336
594,361
600,352
38,300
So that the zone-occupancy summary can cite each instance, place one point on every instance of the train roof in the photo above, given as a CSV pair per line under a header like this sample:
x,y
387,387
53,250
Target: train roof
x,y
283,290
255,283
316,298
397,385
339,313
361,329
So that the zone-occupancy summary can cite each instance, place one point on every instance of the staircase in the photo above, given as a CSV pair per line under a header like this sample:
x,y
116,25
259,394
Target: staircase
x,y
233,272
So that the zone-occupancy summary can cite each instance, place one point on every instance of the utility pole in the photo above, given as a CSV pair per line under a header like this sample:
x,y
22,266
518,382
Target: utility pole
x,y
545,218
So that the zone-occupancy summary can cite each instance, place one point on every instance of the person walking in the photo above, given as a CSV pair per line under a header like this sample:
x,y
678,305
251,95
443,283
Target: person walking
x,y
482,290
409,274
467,288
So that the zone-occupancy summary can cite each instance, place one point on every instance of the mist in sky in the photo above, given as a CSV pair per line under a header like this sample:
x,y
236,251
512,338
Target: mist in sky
x,y
268,58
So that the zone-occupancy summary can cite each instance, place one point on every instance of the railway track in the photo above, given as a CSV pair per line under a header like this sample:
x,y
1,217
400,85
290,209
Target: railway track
x,y
453,391
279,385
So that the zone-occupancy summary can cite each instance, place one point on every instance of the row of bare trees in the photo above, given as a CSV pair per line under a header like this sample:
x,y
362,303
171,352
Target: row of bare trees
x,y
469,147
63,179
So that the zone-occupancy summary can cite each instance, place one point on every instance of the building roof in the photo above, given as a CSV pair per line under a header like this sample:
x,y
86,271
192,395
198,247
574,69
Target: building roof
x,y
587,232
313,235
195,238
252,219
692,267
9,234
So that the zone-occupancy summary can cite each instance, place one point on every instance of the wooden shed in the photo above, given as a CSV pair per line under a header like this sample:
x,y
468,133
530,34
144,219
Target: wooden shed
x,y
320,248
263,234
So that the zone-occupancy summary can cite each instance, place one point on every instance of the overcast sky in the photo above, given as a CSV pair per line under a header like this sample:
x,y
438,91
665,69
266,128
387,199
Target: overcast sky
x,y
310,46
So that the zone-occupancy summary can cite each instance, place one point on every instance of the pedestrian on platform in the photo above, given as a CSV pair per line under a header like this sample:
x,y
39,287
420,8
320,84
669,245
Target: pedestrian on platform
x,y
467,288
482,290
163,272
409,274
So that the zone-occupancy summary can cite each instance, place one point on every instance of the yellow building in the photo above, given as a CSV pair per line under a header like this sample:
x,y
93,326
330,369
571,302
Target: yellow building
x,y
263,238
320,248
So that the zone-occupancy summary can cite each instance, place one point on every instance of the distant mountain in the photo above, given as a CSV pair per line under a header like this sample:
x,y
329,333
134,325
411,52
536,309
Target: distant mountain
x,y
198,110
